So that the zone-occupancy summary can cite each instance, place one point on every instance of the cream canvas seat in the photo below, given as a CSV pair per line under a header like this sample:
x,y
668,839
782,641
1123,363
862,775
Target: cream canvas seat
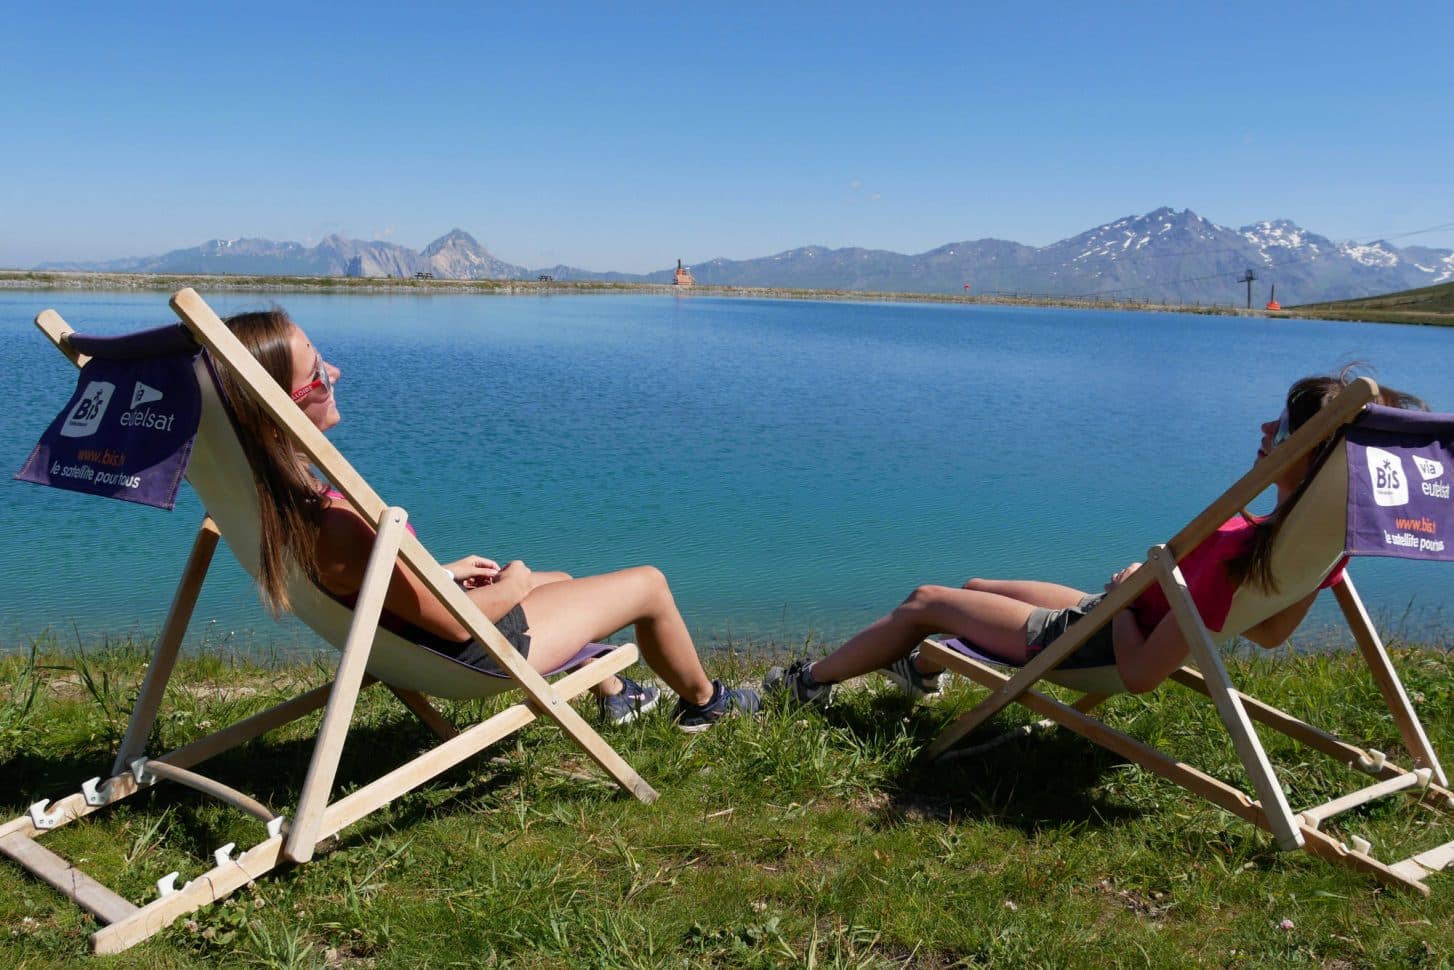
x,y
369,654
1331,519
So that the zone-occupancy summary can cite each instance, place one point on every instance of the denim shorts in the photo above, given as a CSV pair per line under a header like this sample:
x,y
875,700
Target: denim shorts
x,y
1045,626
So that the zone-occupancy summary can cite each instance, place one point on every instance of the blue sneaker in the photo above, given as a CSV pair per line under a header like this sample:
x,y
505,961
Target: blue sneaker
x,y
633,701
725,700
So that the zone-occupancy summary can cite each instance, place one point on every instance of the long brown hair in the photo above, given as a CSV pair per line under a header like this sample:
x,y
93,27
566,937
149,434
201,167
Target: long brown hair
x,y
290,499
1305,398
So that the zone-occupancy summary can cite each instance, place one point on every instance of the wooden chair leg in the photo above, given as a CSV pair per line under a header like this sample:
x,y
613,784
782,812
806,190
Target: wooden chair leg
x,y
149,700
323,767
425,711
1244,736
1376,656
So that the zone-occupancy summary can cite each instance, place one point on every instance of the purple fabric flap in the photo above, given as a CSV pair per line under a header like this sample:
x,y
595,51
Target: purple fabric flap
x,y
589,652
1073,662
1400,466
126,432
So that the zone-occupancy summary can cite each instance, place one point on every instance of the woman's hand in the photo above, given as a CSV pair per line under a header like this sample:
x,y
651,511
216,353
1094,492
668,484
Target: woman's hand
x,y
519,574
472,572
1122,576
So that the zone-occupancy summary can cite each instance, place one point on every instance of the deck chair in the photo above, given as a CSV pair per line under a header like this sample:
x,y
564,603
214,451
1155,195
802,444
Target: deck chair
x,y
1330,520
370,654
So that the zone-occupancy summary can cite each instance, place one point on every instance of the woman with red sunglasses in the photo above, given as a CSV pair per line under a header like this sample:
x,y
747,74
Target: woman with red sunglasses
x,y
546,616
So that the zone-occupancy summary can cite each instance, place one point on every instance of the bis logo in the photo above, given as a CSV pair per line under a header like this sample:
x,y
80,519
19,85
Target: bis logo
x,y
86,416
1386,471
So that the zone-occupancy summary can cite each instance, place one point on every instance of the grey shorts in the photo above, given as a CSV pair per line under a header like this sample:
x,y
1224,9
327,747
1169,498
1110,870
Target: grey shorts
x,y
512,627
1045,626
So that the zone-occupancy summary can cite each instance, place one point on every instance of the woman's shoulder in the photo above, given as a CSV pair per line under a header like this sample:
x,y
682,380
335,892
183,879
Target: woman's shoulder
x,y
1243,523
344,542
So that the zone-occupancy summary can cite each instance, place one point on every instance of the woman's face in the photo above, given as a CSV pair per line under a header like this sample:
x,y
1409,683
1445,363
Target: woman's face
x,y
1274,433
313,380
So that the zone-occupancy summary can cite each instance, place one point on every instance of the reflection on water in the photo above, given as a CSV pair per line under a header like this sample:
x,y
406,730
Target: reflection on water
x,y
794,467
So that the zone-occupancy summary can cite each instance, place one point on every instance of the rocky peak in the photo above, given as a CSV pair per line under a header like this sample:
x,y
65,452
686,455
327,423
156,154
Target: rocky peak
x,y
454,239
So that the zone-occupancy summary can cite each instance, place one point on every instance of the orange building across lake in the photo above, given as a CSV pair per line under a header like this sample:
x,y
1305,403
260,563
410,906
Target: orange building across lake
x,y
684,276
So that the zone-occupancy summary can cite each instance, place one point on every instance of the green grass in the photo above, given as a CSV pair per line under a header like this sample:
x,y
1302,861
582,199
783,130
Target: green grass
x,y
1426,305
797,839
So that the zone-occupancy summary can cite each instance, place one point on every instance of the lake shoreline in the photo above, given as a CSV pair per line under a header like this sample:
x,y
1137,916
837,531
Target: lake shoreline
x,y
69,281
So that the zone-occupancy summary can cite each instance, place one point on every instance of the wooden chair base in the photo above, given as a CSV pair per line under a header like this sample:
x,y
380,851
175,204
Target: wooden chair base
x,y
128,923
1407,874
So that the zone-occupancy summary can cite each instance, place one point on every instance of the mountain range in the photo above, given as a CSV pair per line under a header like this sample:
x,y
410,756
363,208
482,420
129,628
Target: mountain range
x,y
1163,256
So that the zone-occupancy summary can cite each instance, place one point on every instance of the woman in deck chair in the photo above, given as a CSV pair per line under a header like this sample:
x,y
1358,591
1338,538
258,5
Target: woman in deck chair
x,y
1016,619
546,616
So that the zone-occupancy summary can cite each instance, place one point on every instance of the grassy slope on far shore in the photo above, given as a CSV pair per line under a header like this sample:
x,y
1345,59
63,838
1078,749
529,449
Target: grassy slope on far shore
x,y
1427,304
796,839
32,279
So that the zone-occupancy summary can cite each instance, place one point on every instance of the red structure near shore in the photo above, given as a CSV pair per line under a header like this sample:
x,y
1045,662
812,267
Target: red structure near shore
x,y
684,276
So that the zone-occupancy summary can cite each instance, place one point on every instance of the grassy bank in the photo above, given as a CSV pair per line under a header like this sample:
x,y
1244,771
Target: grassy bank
x,y
29,279
797,839
1425,305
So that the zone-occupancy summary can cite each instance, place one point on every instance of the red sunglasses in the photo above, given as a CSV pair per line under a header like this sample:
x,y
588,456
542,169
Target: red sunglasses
x,y
321,379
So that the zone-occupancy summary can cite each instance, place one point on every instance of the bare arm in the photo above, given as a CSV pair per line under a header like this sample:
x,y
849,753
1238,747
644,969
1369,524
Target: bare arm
x,y
1274,631
1144,662
344,543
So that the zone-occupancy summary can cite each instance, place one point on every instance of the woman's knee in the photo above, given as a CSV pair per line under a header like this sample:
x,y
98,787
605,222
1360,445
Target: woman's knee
x,y
922,599
650,582
539,579
976,583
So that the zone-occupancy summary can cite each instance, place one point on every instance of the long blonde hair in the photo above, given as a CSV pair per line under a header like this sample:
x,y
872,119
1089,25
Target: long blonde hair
x,y
290,499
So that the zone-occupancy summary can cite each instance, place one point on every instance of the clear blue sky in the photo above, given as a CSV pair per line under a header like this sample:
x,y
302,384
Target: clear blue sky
x,y
626,138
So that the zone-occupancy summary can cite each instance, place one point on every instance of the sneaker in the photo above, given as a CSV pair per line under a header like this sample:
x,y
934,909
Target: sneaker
x,y
633,701
918,686
725,700
791,684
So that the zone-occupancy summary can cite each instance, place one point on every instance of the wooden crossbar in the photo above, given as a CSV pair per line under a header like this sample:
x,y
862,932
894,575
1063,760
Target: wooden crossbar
x,y
1318,814
89,894
1434,860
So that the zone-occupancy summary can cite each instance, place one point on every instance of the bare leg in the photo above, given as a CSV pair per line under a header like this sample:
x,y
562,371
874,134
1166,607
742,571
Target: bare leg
x,y
993,622
565,614
1052,596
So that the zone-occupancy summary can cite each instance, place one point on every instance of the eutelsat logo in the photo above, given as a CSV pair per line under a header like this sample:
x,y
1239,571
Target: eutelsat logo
x,y
1386,472
144,394
86,416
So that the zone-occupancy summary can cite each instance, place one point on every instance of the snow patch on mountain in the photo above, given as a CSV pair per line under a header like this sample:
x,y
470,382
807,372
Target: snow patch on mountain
x,y
1373,254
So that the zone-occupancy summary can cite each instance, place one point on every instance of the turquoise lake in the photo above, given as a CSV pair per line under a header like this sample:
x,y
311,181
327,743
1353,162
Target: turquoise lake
x,y
794,467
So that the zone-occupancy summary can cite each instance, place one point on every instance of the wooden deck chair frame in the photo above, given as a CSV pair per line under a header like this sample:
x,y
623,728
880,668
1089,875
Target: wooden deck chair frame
x,y
316,817
1267,806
